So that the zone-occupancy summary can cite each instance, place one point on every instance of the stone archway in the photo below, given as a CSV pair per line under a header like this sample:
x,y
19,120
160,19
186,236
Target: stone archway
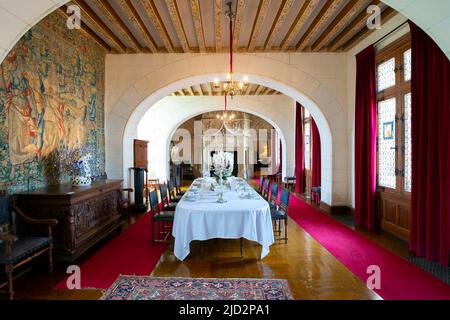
x,y
163,118
125,114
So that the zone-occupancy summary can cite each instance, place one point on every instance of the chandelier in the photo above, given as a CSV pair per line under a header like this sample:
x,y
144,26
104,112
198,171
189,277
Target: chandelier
x,y
230,87
225,115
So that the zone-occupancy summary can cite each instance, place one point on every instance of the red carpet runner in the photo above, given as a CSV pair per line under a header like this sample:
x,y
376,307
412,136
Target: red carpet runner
x,y
130,253
400,280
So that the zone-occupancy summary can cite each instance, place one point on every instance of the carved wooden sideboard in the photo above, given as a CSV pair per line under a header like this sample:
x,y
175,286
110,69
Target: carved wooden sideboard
x,y
85,214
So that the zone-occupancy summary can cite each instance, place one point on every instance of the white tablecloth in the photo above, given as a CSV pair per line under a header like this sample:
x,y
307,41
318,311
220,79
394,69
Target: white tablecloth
x,y
205,219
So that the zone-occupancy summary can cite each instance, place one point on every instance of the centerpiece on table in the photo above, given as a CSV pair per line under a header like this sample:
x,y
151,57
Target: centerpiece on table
x,y
222,163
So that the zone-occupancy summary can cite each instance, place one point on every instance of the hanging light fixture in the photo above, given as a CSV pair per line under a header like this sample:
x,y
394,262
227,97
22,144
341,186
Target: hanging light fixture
x,y
230,87
225,114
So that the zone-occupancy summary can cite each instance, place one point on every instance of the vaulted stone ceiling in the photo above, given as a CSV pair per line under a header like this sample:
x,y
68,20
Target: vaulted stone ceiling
x,y
166,26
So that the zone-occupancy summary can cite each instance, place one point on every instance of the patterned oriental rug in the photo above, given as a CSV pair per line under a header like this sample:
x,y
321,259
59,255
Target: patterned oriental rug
x,y
152,288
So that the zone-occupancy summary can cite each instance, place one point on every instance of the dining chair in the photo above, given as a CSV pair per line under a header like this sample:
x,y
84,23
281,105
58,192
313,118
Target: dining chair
x,y
280,214
315,195
260,186
166,204
161,219
273,198
125,201
266,191
153,183
178,187
171,188
22,239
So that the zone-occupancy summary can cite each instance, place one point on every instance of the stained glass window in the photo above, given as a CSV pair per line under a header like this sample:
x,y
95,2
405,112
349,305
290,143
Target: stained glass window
x,y
407,65
386,143
386,74
408,142
307,146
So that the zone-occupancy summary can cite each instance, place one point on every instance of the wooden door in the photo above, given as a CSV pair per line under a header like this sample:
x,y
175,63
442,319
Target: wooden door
x,y
140,154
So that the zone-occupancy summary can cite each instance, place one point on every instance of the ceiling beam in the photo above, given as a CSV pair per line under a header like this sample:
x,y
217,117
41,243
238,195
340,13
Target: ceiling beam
x,y
283,11
88,31
138,24
248,90
387,14
197,17
213,89
190,91
346,14
325,12
176,20
114,19
100,27
259,90
218,24
200,90
210,90
260,16
305,12
197,90
240,10
357,23
156,20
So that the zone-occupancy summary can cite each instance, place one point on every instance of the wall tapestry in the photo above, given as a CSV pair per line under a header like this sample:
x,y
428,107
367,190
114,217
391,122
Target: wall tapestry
x,y
51,98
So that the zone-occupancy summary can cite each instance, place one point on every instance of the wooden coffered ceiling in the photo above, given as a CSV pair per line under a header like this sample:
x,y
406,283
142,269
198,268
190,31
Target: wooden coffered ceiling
x,y
209,89
166,26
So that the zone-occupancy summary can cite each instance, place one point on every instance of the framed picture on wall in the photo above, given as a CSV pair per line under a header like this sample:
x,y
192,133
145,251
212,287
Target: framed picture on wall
x,y
388,130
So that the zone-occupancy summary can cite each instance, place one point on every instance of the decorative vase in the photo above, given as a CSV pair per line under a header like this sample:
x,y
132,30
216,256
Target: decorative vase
x,y
80,181
83,178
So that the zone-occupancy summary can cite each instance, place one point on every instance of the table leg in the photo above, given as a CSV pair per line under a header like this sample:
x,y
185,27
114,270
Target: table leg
x,y
242,248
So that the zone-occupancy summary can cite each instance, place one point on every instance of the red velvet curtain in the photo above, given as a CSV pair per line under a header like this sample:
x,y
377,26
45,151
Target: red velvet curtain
x,y
365,138
430,121
299,151
316,156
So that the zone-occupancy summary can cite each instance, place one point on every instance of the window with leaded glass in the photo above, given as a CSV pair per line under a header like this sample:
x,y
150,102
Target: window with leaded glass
x,y
386,75
408,142
307,136
386,143
394,117
407,65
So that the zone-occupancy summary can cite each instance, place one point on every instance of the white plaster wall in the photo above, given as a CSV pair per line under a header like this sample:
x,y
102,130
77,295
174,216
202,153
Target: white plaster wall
x,y
318,81
163,118
18,16
433,16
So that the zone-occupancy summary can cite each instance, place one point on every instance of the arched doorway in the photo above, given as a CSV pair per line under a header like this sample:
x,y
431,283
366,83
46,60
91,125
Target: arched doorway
x,y
160,133
270,112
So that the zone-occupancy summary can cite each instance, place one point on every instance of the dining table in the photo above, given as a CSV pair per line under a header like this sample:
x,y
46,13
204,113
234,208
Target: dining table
x,y
229,210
